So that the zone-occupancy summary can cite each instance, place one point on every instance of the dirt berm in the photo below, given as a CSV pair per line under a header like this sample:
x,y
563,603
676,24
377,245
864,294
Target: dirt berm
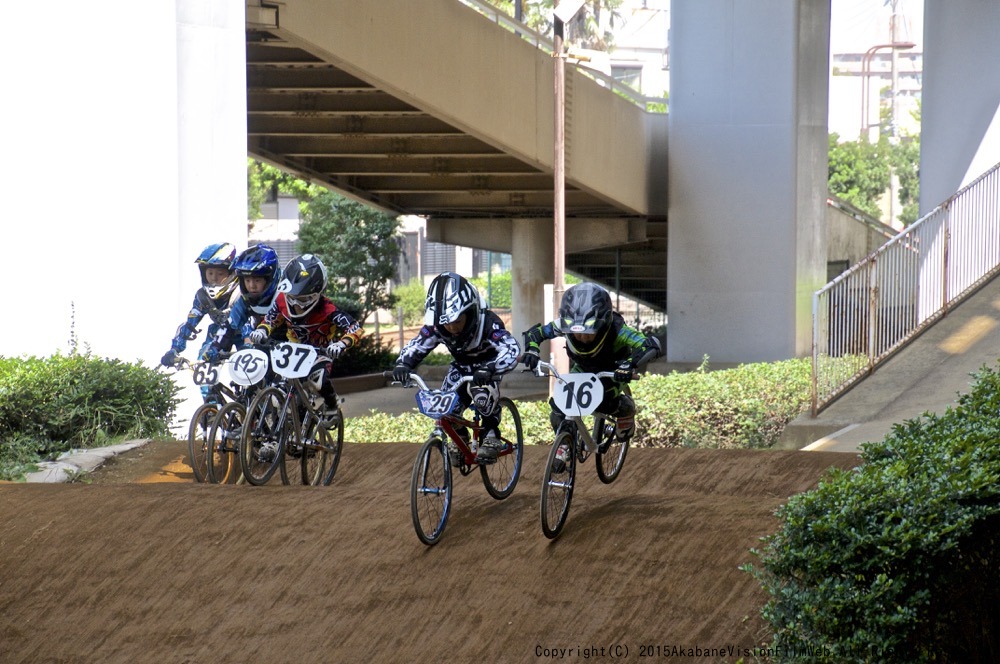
x,y
171,571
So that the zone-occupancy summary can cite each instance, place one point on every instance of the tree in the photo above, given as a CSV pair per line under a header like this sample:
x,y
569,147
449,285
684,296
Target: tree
x,y
585,30
859,172
359,247
264,179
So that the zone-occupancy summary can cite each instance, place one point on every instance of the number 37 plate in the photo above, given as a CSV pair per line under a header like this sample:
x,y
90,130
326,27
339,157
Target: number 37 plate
x,y
579,394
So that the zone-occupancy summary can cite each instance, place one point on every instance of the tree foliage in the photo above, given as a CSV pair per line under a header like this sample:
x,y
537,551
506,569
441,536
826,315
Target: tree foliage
x,y
358,244
584,31
264,179
859,172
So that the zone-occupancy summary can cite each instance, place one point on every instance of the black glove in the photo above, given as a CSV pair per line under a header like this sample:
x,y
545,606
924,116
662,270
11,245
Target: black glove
x,y
169,358
623,373
530,358
482,377
401,373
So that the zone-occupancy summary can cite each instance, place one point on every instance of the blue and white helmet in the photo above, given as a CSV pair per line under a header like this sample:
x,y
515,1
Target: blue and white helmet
x,y
217,255
258,261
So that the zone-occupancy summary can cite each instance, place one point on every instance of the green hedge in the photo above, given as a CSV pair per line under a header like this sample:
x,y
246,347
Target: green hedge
x,y
746,407
898,559
50,405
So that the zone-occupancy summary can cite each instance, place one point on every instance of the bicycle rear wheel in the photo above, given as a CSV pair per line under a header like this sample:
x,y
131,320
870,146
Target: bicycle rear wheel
x,y
224,442
557,487
198,432
260,444
501,477
332,442
430,491
610,452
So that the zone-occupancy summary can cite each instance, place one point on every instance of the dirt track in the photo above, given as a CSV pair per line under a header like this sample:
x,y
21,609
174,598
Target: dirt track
x,y
171,571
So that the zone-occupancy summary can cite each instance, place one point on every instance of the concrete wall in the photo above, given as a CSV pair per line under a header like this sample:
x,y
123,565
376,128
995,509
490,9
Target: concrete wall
x,y
126,147
850,239
960,135
748,145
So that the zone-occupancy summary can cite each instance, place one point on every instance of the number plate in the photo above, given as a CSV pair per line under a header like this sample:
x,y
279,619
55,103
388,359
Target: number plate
x,y
579,394
205,374
293,360
248,366
436,403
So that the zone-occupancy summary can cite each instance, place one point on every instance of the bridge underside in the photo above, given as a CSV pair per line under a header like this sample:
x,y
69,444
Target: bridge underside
x,y
328,121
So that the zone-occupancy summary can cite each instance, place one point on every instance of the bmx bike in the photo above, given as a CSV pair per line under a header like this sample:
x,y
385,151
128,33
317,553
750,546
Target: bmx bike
x,y
431,482
288,427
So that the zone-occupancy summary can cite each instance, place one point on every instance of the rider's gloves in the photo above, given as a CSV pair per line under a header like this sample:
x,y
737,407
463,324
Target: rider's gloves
x,y
211,354
623,372
169,358
530,358
258,335
401,373
482,377
335,349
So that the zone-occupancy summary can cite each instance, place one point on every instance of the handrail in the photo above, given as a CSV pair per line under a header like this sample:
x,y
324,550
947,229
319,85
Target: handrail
x,y
542,43
884,301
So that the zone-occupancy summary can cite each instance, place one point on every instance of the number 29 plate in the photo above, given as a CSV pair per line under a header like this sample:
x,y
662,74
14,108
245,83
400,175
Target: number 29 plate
x,y
436,403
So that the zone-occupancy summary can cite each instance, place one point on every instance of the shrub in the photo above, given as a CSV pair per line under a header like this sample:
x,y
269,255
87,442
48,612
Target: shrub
x,y
50,405
896,560
411,297
745,407
368,356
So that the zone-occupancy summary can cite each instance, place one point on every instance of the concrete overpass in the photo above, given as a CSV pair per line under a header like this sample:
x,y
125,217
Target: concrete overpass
x,y
433,109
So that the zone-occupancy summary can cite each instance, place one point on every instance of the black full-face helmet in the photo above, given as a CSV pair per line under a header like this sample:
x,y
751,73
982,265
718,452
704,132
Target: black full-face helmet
x,y
449,297
585,309
303,284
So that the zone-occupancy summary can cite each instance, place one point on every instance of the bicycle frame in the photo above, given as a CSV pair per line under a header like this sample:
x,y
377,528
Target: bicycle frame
x,y
449,424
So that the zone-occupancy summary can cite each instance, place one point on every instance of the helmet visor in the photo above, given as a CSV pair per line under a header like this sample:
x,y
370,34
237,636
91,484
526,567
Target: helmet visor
x,y
299,305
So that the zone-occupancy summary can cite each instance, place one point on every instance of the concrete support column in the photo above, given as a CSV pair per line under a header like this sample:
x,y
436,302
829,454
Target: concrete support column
x,y
212,121
960,115
531,268
747,177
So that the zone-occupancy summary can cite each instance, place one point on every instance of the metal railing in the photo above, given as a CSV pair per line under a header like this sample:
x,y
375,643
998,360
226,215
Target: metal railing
x,y
542,43
880,304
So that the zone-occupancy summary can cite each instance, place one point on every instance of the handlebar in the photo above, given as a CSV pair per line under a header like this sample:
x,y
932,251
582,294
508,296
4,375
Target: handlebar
x,y
416,378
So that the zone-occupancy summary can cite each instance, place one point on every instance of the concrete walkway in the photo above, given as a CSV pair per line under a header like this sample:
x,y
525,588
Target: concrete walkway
x,y
70,465
926,376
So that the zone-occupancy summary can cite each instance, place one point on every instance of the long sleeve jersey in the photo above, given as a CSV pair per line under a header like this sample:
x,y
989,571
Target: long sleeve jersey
x,y
324,324
492,347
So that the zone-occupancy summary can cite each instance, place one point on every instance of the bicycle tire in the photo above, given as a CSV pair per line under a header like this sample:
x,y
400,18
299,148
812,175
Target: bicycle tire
x,y
612,458
198,432
259,427
224,441
290,444
430,491
501,477
557,487
334,446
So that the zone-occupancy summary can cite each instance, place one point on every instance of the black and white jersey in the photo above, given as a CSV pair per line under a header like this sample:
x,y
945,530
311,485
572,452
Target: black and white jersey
x,y
491,347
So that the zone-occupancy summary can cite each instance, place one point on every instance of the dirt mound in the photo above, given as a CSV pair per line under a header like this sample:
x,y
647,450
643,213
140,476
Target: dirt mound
x,y
171,571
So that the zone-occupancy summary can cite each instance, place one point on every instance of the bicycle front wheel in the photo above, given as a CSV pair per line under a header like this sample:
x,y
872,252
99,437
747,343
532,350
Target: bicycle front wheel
x,y
224,442
501,477
430,491
263,432
557,486
198,433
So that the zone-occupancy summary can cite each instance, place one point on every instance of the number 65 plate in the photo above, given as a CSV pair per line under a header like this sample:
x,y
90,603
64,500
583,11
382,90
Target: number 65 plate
x,y
579,394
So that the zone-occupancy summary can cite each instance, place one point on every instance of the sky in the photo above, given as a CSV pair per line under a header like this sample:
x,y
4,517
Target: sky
x,y
857,25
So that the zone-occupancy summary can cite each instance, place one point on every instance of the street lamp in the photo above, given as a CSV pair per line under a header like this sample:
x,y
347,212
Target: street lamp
x,y
562,13
866,65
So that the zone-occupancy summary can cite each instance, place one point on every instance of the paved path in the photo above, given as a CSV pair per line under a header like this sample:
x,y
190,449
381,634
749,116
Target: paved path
x,y
926,376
